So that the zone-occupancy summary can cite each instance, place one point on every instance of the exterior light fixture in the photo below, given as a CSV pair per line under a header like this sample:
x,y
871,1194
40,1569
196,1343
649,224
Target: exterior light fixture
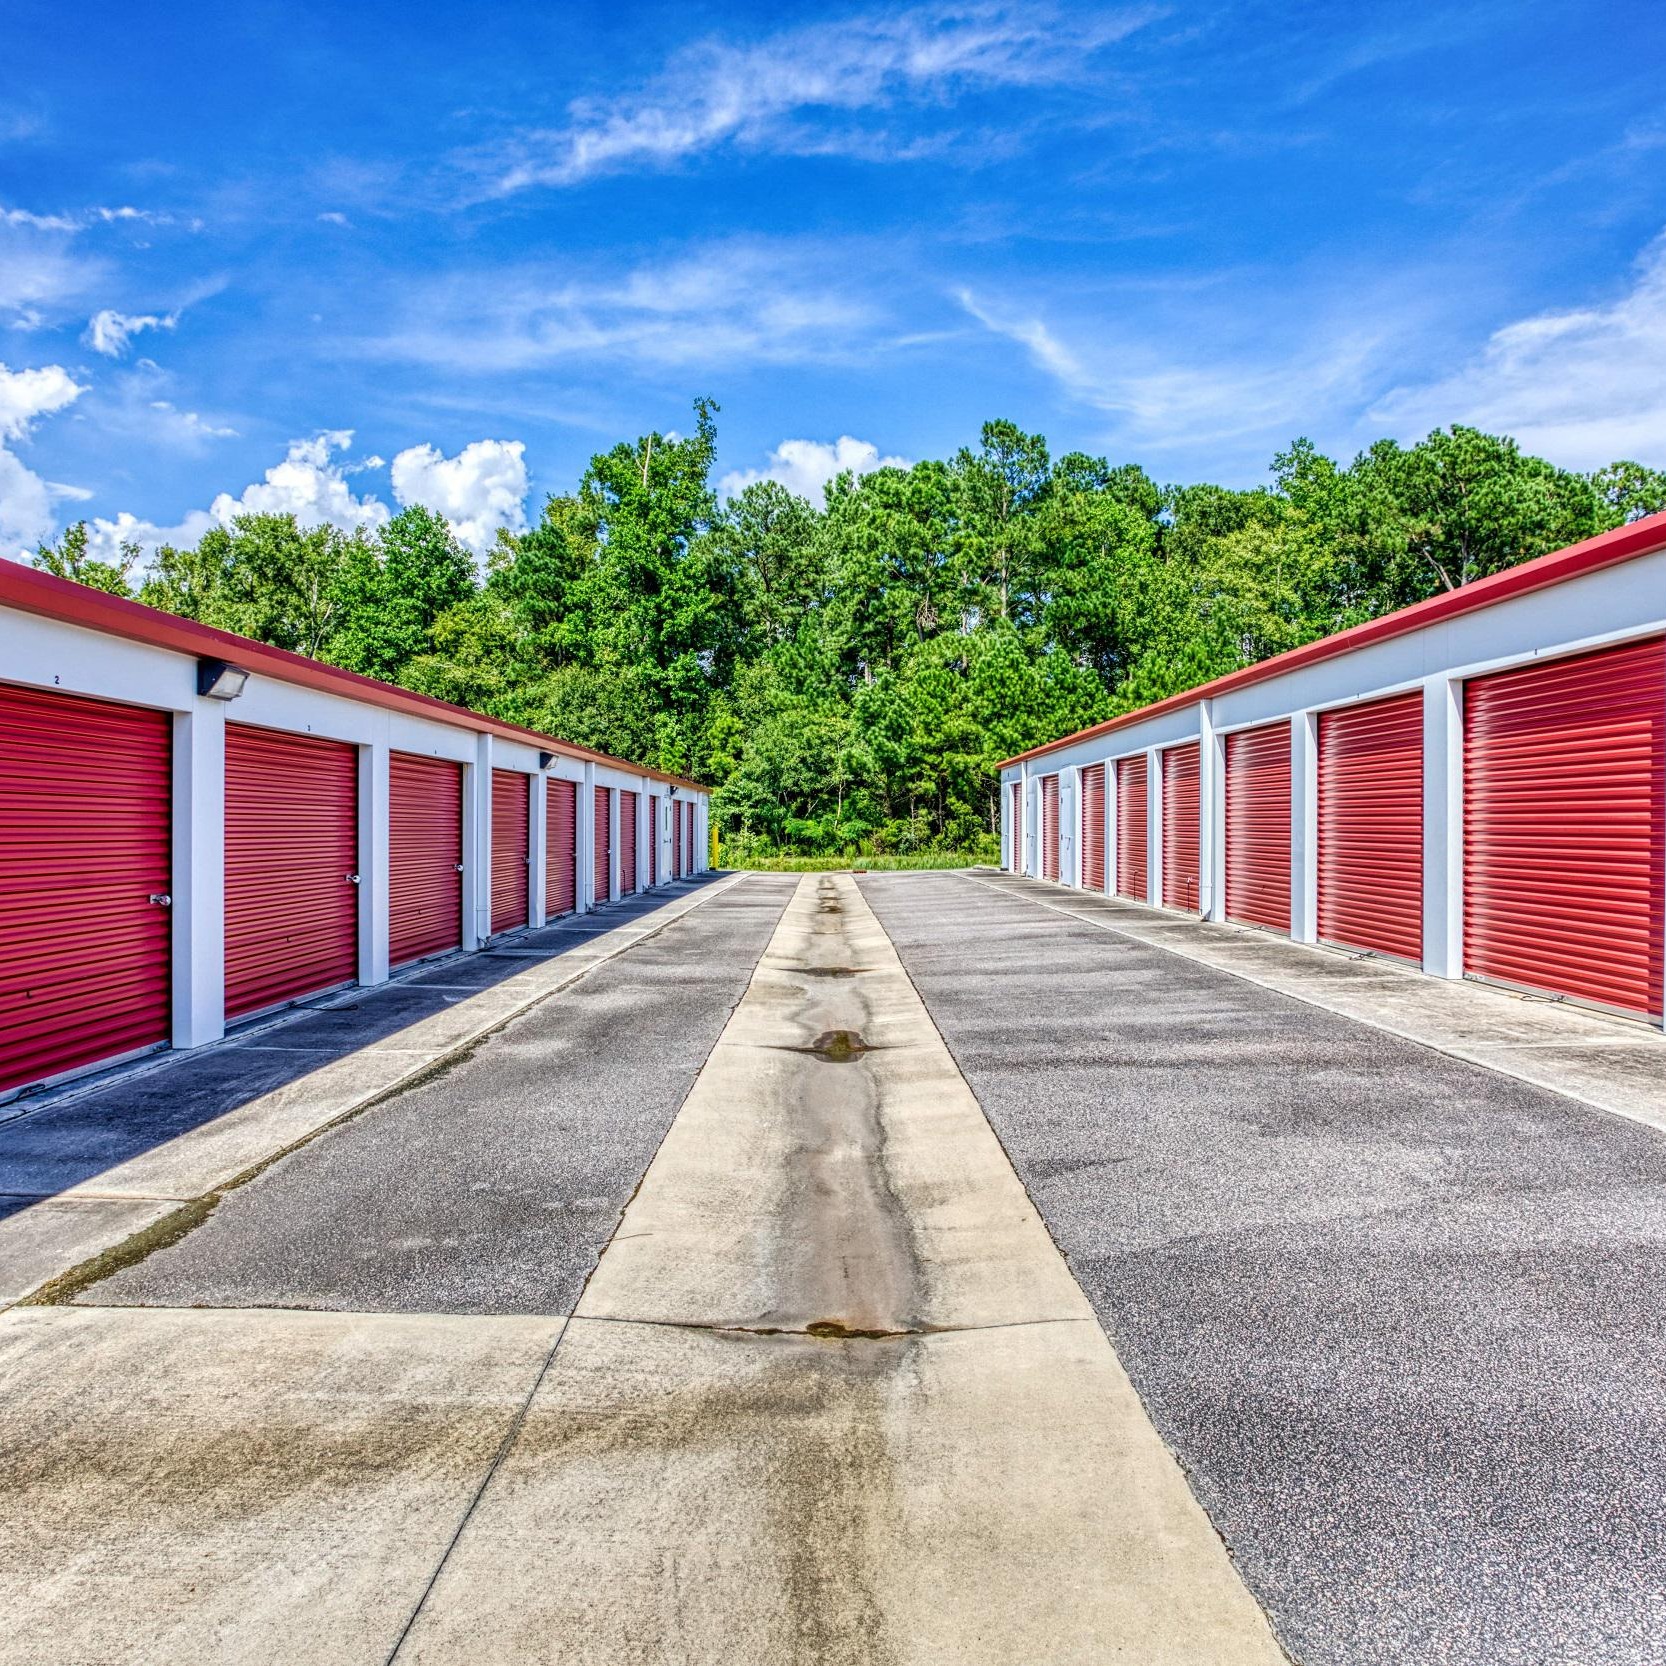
x,y
218,681
545,759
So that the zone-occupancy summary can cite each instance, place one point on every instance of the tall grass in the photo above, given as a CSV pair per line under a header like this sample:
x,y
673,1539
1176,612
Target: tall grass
x,y
847,864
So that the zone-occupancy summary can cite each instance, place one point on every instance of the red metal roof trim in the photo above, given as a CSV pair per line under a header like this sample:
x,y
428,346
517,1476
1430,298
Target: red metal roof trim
x,y
1607,549
31,591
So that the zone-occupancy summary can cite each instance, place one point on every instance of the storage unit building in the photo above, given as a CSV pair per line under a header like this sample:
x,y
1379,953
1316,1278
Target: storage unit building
x,y
292,867
196,828
1474,785
85,881
1182,844
1133,798
1370,826
425,856
1093,827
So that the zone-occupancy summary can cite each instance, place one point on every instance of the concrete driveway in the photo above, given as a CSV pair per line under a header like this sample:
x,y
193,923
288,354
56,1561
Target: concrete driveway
x,y
902,1270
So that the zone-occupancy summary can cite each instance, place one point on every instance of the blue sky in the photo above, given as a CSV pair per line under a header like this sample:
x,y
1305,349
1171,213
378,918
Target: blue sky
x,y
338,258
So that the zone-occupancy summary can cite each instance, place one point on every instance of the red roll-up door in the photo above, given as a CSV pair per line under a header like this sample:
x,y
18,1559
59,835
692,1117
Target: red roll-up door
x,y
1258,826
425,856
690,855
627,843
560,846
1371,826
292,861
1565,826
601,867
1049,827
676,840
511,849
1015,850
1133,795
1182,878
85,794
653,838
1093,827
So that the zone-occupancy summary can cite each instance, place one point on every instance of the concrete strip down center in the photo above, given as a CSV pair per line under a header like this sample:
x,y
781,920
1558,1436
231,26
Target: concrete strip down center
x,y
831,1394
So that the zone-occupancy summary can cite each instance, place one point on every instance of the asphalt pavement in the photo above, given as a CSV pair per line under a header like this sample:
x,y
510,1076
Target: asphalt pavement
x,y
492,1187
1401,1318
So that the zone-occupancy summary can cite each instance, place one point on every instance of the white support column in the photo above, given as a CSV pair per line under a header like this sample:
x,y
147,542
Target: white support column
x,y
1154,827
471,852
1070,821
1211,811
374,896
1443,827
1304,827
1112,809
477,863
585,888
538,847
1032,823
198,905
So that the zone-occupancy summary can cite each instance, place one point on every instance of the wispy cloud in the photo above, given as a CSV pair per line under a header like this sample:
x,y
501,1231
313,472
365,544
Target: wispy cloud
x,y
111,333
1225,403
731,304
804,90
1582,386
26,500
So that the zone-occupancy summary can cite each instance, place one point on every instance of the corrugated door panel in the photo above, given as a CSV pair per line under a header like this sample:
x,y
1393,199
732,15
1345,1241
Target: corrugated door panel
x,y
601,867
1181,832
425,856
1371,826
1093,827
1565,826
292,845
627,842
690,857
511,849
676,840
1133,794
1049,827
1015,851
1258,826
560,846
85,794
653,838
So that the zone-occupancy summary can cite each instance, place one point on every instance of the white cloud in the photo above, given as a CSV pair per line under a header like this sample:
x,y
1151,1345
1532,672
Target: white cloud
x,y
1582,387
110,332
728,303
310,484
478,491
806,466
28,395
26,500
792,89
334,217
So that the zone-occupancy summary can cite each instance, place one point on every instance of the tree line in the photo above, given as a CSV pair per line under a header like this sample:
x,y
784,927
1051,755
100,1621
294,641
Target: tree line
x,y
849,674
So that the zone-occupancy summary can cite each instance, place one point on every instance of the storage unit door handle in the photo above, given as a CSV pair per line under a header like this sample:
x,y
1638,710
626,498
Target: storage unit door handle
x,y
352,879
161,899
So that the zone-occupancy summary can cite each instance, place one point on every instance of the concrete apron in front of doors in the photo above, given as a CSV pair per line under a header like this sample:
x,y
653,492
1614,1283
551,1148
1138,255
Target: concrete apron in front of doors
x,y
832,1396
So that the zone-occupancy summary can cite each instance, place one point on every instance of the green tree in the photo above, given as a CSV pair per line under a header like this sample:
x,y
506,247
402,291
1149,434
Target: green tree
x,y
68,558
